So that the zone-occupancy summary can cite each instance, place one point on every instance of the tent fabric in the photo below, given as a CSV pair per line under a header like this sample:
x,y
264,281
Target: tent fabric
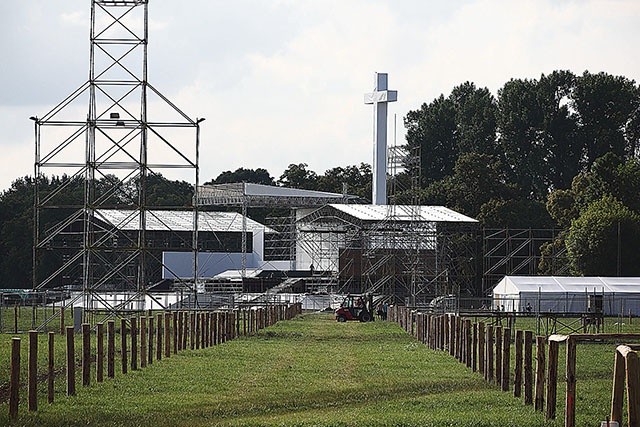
x,y
619,295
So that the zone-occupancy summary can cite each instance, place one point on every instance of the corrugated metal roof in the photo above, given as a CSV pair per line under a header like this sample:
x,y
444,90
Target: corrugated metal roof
x,y
161,220
403,213
234,194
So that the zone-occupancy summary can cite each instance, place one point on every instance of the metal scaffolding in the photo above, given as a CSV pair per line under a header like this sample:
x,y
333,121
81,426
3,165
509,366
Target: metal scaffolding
x,y
105,160
517,252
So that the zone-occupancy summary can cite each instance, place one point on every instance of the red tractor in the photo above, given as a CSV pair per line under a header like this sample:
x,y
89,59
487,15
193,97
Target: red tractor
x,y
355,307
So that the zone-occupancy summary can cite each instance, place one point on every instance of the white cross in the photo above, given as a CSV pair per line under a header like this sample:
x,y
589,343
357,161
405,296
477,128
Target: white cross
x,y
379,98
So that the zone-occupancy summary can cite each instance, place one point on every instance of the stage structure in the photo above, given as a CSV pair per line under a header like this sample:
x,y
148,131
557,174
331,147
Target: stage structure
x,y
395,248
281,245
517,252
105,147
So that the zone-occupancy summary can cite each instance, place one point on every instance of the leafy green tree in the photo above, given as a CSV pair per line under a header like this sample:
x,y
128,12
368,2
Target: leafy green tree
x,y
605,240
298,176
476,179
608,114
609,175
433,129
356,178
255,176
562,147
519,122
562,208
16,234
476,112
514,213
165,192
552,262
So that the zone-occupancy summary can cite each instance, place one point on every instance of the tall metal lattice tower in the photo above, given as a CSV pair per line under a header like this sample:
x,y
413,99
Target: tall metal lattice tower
x,y
98,152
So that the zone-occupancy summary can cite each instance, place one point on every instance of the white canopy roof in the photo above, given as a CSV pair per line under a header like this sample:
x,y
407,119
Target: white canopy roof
x,y
514,285
160,220
400,212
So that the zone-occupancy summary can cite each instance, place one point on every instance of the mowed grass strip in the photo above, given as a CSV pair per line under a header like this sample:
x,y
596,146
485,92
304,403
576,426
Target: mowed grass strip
x,y
308,371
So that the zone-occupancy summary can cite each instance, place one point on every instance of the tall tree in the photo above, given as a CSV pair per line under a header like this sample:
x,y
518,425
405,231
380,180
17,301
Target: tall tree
x,y
476,111
563,148
433,129
608,112
519,122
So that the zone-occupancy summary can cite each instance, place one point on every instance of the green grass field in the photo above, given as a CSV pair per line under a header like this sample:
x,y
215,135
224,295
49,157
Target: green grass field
x,y
313,371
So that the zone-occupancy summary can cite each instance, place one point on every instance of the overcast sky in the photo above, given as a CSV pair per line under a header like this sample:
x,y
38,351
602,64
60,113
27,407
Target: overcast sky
x,y
282,81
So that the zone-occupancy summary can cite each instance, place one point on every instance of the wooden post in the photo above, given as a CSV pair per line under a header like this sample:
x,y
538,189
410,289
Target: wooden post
x,y
490,353
474,348
540,373
99,352
179,328
468,343
151,338
134,343
617,395
197,320
111,348
62,327
633,387
86,355
452,335
481,348
506,358
123,344
206,324
192,330
570,400
552,379
203,328
143,342
185,333
33,371
498,355
214,325
71,363
50,368
167,334
175,332
517,374
14,381
159,338
528,368
244,322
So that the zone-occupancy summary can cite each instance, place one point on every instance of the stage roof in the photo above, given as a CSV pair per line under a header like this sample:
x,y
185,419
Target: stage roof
x,y
161,220
403,213
258,195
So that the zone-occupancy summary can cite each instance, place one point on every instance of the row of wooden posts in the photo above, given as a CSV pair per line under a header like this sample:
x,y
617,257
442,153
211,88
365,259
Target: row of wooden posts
x,y
487,349
167,333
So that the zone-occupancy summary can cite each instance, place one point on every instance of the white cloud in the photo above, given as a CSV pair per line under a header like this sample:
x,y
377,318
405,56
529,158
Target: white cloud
x,y
281,81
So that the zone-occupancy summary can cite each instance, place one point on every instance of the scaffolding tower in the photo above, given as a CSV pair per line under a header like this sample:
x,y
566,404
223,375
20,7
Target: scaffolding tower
x,y
100,148
517,252
393,251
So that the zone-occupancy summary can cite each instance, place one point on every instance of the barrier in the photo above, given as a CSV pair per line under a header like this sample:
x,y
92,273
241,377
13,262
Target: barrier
x,y
204,329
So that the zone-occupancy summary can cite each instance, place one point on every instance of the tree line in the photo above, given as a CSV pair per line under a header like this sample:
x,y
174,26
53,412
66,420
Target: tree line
x,y
560,151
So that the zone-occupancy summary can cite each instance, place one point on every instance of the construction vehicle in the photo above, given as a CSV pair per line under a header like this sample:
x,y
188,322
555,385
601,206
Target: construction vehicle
x,y
355,307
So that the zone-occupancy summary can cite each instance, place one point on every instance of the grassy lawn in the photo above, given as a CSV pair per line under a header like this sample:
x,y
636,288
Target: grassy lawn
x,y
314,371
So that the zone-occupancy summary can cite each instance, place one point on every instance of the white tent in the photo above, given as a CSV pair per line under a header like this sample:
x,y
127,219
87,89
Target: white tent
x,y
615,295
